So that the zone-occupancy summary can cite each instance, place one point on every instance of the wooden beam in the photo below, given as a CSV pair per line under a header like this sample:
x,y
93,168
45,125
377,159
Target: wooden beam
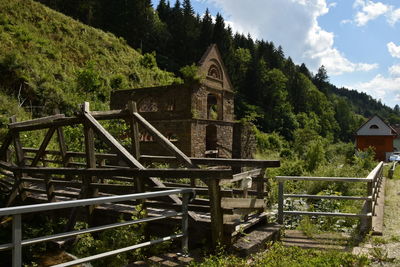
x,y
242,203
43,146
111,141
104,172
135,142
42,120
164,141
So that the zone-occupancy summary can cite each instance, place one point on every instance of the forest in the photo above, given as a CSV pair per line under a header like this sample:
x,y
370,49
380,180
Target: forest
x,y
271,90
49,61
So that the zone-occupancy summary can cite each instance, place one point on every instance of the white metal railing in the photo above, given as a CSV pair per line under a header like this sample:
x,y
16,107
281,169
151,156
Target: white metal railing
x,y
373,180
16,213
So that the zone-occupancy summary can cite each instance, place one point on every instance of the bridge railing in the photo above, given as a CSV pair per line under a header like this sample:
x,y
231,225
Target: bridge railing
x,y
17,212
373,181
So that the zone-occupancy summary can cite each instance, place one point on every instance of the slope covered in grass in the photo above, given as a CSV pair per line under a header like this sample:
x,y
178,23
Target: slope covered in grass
x,y
49,60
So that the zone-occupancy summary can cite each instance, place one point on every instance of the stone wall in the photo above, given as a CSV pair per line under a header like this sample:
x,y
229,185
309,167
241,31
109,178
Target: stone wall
x,y
224,138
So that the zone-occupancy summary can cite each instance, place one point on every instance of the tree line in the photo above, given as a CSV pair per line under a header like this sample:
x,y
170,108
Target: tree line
x,y
271,90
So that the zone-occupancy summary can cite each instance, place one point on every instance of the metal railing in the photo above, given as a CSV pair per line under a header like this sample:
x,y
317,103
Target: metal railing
x,y
373,180
16,213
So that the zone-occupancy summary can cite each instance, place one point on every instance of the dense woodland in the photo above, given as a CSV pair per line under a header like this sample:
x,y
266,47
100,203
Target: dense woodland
x,y
271,90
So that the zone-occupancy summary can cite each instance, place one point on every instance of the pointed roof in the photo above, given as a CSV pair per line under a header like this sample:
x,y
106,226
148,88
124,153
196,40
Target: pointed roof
x,y
376,126
212,67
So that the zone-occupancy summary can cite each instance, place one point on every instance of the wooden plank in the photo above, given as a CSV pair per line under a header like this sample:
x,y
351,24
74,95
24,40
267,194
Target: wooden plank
x,y
218,161
164,141
242,203
51,197
110,172
55,123
111,141
240,176
35,121
109,115
43,146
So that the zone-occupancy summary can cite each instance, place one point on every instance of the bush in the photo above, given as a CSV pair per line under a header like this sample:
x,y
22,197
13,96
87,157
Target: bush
x,y
190,74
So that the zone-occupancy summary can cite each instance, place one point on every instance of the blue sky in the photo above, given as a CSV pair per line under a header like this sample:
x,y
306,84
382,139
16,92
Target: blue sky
x,y
358,41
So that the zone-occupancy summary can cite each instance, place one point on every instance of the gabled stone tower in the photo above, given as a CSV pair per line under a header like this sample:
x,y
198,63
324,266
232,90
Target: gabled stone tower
x,y
197,118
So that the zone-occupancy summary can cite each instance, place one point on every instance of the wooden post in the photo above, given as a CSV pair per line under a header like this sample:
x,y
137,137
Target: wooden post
x,y
90,158
43,146
49,189
260,184
217,226
366,222
18,188
280,202
135,144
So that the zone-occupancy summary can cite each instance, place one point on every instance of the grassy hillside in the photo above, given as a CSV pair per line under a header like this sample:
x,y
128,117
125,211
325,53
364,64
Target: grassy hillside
x,y
49,60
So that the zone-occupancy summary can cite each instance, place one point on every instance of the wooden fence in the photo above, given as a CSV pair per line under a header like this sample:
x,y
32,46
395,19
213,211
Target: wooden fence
x,y
373,181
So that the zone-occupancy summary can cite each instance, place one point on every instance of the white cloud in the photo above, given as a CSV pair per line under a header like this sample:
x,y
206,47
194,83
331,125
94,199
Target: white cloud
x,y
395,70
293,24
380,87
393,49
369,11
394,16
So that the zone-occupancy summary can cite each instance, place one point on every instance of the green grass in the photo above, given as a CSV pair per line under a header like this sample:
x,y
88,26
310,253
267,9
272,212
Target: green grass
x,y
278,255
50,60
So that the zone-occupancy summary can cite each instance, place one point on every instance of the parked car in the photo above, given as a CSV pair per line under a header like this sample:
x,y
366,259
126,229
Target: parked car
x,y
395,156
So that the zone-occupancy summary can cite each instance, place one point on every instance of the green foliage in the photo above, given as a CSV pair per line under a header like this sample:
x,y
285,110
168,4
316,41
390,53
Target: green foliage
x,y
89,244
315,155
50,60
149,60
190,74
280,255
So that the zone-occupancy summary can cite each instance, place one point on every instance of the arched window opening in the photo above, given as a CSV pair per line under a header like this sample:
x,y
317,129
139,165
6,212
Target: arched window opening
x,y
214,72
374,126
212,107
148,104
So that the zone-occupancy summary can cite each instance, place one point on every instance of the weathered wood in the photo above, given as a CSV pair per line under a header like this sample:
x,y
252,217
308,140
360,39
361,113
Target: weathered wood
x,y
43,146
164,141
51,197
109,115
217,225
110,172
217,161
242,203
35,121
260,184
135,142
111,141
87,190
18,188
240,176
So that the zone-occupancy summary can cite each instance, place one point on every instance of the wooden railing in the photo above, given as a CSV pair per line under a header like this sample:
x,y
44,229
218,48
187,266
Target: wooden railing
x,y
373,181
90,171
